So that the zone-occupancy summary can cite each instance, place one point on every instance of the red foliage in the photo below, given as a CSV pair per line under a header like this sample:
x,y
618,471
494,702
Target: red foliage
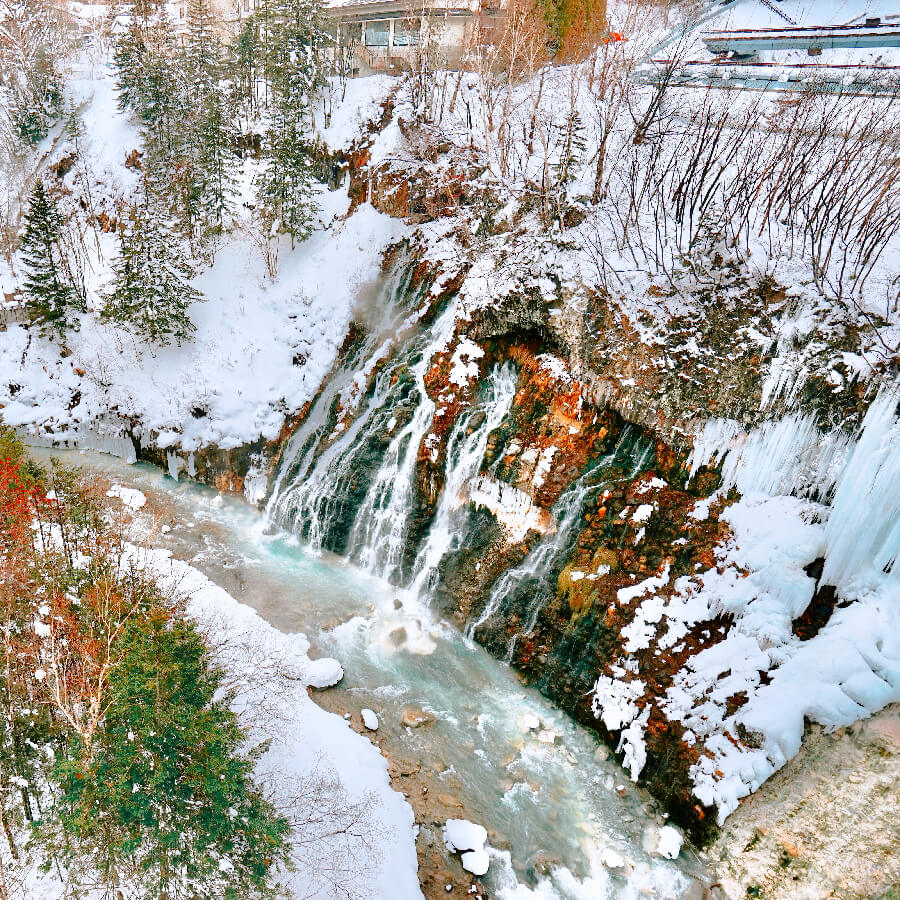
x,y
20,501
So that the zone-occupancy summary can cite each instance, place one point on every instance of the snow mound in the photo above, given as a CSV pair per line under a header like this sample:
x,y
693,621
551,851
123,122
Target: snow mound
x,y
323,673
130,497
669,843
461,835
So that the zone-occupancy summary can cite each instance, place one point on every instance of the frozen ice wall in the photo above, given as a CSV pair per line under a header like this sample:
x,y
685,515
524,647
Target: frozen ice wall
x,y
857,477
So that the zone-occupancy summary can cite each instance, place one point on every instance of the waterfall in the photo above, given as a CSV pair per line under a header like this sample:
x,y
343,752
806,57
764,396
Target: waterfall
x,y
347,487
379,531
543,561
313,467
465,451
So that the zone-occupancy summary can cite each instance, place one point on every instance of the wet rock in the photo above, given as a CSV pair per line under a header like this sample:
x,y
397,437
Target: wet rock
x,y
397,637
415,717
403,768
543,863
449,801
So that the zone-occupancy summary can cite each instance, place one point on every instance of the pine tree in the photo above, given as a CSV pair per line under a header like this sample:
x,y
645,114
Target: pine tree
x,y
167,792
243,65
51,298
207,185
150,292
147,82
284,186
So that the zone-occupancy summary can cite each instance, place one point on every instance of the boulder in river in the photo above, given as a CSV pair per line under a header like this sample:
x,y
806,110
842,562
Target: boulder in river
x,y
415,716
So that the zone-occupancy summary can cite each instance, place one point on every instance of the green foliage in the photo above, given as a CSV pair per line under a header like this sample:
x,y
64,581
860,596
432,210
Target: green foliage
x,y
119,748
33,121
178,94
168,793
150,291
193,100
285,183
290,34
51,297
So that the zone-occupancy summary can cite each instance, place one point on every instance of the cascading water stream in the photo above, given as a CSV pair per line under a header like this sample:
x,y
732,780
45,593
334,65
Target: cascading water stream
x,y
299,494
543,559
346,488
465,451
379,531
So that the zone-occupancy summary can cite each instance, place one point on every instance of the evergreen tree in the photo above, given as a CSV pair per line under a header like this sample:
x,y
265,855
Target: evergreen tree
x,y
243,64
51,298
150,291
291,37
167,792
147,81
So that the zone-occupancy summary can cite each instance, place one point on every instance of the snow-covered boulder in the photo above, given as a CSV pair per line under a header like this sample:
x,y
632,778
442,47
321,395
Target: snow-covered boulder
x,y
468,839
461,835
130,497
670,841
323,673
370,720
476,861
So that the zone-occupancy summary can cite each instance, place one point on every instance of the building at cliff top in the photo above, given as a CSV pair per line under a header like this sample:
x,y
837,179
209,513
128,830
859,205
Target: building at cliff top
x,y
388,35
228,11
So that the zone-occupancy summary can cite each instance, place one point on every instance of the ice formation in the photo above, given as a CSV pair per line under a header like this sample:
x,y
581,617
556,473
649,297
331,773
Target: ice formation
x,y
805,496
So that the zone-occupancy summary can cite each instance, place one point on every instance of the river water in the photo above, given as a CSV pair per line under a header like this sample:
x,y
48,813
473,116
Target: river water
x,y
554,805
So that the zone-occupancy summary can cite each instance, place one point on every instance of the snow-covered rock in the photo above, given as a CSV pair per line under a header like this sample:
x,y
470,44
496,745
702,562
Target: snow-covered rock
x,y
461,835
370,720
468,839
670,841
476,861
323,673
529,722
130,497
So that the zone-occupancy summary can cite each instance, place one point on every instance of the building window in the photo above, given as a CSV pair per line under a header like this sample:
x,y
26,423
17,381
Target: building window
x,y
351,33
406,33
377,34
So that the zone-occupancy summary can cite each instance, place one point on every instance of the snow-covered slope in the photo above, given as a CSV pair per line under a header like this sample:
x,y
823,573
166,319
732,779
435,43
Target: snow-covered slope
x,y
262,344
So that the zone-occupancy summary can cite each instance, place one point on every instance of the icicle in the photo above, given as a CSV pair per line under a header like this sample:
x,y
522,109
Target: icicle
x,y
863,528
791,456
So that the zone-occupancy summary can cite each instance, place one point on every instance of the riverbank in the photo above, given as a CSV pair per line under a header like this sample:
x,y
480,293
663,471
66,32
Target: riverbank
x,y
826,825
